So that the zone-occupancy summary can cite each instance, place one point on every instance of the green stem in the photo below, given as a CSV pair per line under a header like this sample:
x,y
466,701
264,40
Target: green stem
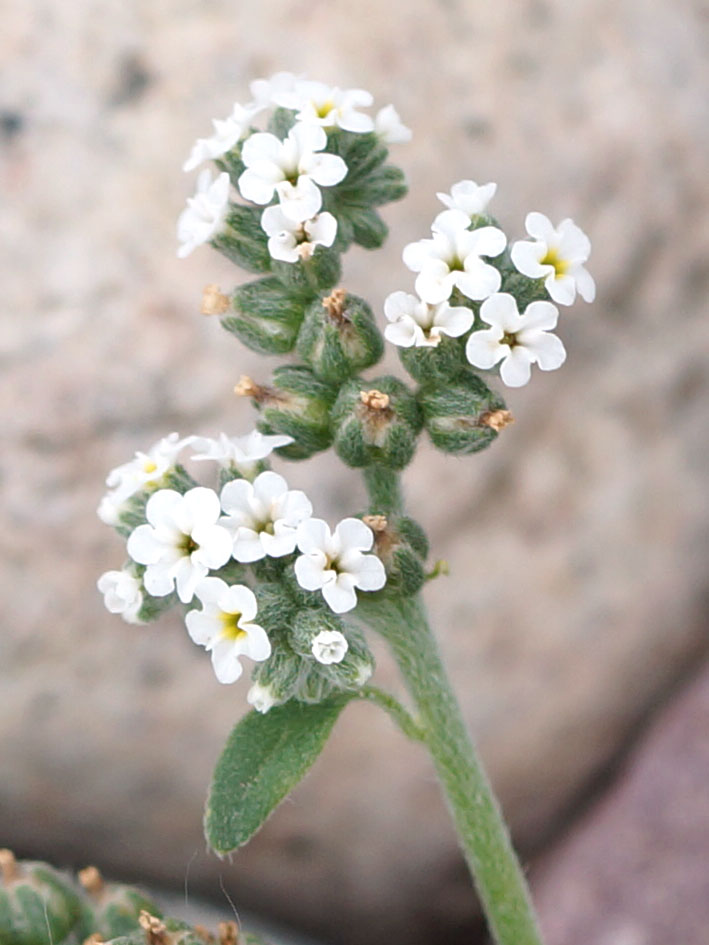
x,y
482,831
384,490
407,724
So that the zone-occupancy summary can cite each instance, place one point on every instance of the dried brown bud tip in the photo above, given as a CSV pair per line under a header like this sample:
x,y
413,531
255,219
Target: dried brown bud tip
x,y
374,399
228,933
8,865
91,880
335,303
204,934
497,420
378,523
154,928
95,939
214,302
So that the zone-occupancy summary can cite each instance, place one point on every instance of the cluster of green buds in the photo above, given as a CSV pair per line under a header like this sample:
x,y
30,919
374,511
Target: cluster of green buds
x,y
40,905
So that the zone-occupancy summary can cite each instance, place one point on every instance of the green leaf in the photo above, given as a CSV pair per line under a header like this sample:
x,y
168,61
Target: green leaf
x,y
263,760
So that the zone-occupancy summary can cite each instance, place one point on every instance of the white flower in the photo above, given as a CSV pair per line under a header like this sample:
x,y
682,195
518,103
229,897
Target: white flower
x,y
290,241
261,697
263,517
388,126
329,646
223,626
469,197
335,563
452,259
292,168
180,542
517,340
226,134
265,92
557,256
242,452
414,323
145,471
325,105
122,594
203,217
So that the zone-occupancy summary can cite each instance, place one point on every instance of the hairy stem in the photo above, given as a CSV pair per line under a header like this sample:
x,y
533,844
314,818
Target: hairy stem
x,y
406,723
482,832
384,489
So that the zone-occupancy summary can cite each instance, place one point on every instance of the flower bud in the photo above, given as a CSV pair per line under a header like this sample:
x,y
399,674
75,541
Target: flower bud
x,y
267,317
242,239
311,274
464,416
275,607
297,404
278,676
428,364
112,909
376,422
38,906
339,337
307,624
402,545
155,931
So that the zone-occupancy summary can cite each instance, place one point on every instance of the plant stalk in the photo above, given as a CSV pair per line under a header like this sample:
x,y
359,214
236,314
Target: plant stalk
x,y
482,832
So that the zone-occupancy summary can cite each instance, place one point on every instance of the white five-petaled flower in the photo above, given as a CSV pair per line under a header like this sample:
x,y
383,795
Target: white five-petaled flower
x,y
205,213
556,255
517,340
144,471
327,106
336,563
414,323
261,697
223,626
329,646
122,594
242,452
226,134
452,258
294,168
389,128
180,542
469,197
265,92
290,241
263,517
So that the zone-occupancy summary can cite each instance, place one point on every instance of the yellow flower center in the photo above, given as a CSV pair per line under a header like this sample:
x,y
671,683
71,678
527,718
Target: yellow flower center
x,y
324,108
552,258
149,466
230,626
187,545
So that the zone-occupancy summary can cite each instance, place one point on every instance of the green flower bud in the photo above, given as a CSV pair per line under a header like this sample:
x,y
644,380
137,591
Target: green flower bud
x,y
267,316
402,546
339,337
112,909
464,416
307,624
38,906
441,363
275,607
376,422
156,931
297,404
310,274
243,240
357,666
280,674
524,289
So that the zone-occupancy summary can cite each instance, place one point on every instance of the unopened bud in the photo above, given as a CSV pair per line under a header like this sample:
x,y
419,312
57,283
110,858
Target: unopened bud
x,y
37,903
297,404
267,317
339,337
441,363
376,424
464,416
242,238
402,546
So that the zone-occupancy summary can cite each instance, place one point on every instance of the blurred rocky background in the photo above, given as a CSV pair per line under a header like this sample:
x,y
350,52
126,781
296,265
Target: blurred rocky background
x,y
576,608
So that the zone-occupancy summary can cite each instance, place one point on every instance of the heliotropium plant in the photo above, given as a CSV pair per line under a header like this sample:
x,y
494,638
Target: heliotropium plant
x,y
301,171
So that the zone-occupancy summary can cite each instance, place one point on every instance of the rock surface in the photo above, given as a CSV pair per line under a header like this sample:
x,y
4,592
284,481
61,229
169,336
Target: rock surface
x,y
577,545
633,871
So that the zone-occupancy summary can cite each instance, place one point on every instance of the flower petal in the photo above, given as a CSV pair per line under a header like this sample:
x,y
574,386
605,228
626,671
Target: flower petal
x,y
516,368
352,533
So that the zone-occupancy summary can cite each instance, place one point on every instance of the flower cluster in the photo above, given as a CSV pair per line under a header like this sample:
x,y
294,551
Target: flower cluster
x,y
189,543
468,261
310,132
